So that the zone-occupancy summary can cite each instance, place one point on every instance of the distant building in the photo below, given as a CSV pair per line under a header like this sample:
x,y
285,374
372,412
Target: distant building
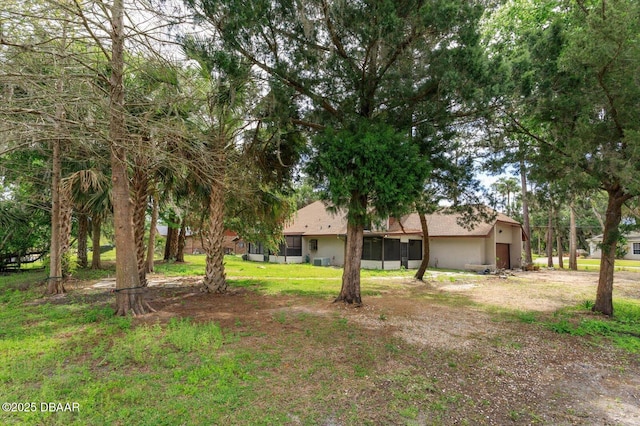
x,y
633,246
318,236
232,243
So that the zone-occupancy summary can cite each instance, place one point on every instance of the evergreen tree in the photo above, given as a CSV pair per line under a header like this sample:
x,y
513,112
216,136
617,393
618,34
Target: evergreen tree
x,y
575,83
366,74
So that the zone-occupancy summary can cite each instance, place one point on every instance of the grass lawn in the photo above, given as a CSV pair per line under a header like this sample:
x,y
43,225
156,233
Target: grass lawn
x,y
235,266
621,265
594,264
282,367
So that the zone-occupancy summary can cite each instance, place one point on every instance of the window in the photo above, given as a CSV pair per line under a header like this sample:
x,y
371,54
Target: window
x,y
292,246
313,245
415,250
256,248
636,248
372,248
391,249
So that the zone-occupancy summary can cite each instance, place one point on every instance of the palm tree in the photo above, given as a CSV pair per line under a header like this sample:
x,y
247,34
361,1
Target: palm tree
x,y
90,193
506,187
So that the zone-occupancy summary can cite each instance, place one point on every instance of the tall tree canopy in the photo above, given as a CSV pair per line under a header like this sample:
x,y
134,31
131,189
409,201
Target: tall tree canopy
x,y
365,74
575,68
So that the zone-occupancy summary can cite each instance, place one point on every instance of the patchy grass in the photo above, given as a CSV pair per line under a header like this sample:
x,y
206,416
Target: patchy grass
x,y
270,358
22,280
119,374
622,330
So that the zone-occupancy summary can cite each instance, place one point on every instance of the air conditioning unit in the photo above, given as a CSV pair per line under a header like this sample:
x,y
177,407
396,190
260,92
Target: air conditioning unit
x,y
321,261
313,245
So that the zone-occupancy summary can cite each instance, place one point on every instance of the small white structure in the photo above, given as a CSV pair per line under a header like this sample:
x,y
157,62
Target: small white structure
x,y
633,246
315,233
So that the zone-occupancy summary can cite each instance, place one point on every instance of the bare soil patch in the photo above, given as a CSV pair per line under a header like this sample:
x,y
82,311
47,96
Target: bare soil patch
x,y
433,344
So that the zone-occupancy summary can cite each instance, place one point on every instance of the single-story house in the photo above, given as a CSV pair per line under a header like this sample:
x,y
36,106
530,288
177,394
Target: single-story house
x,y
633,246
318,236
232,243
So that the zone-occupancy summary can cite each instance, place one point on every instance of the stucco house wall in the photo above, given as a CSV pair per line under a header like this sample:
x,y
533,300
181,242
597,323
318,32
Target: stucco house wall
x,y
504,234
516,248
633,247
255,257
274,258
490,249
331,247
454,253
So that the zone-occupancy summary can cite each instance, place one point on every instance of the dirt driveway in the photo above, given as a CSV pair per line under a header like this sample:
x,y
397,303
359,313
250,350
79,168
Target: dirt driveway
x,y
544,290
561,375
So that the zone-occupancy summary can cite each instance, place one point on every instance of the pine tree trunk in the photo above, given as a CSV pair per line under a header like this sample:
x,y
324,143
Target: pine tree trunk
x,y
560,251
425,247
55,284
539,244
213,239
550,239
96,227
528,258
573,239
83,236
140,193
129,293
613,216
182,240
350,291
152,234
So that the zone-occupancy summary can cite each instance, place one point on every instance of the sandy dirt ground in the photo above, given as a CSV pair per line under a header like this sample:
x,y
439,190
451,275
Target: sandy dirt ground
x,y
563,379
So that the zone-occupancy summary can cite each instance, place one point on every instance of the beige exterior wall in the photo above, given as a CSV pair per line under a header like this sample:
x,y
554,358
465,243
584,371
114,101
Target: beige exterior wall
x,y
392,264
454,253
371,264
285,259
256,257
596,252
630,254
331,247
414,264
504,234
490,249
377,264
516,248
